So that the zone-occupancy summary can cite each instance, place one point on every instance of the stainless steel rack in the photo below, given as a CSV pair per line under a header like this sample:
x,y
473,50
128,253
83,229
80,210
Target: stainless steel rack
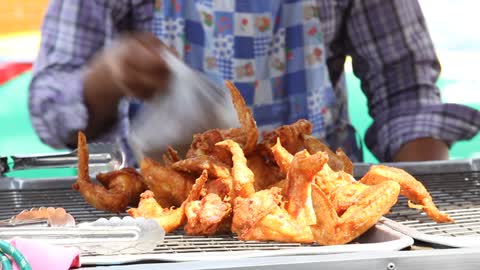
x,y
455,187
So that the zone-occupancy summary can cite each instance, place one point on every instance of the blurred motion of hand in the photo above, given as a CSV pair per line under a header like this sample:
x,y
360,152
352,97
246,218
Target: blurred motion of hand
x,y
132,66
135,65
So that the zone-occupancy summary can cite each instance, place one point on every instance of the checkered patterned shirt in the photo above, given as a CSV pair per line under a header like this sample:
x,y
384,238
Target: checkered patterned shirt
x,y
285,56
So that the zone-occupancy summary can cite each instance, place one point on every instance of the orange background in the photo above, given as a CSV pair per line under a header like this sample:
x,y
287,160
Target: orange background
x,y
21,15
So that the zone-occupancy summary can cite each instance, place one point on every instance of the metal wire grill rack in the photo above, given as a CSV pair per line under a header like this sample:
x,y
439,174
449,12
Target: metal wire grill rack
x,y
457,193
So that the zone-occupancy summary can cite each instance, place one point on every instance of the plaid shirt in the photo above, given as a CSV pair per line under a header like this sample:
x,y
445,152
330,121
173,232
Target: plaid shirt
x,y
387,39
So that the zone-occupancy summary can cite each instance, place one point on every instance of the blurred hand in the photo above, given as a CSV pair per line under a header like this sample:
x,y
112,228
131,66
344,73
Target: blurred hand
x,y
135,65
132,67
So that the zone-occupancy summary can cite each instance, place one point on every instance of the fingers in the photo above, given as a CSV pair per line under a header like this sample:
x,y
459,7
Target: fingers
x,y
136,65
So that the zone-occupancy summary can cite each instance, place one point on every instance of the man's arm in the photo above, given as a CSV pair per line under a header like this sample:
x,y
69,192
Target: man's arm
x,y
394,57
63,94
422,149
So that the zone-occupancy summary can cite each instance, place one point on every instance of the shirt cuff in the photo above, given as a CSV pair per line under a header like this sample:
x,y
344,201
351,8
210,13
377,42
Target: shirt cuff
x,y
57,107
446,122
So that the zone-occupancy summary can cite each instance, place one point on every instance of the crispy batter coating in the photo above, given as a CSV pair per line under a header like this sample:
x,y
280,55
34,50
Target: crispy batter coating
x,y
290,136
332,229
313,145
411,188
243,179
170,187
299,182
169,218
119,189
208,216
245,117
265,174
197,164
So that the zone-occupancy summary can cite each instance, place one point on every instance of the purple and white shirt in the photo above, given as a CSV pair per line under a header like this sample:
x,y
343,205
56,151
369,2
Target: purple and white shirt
x,y
285,56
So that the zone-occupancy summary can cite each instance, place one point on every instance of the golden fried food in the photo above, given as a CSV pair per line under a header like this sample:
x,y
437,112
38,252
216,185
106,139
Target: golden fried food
x,y
298,192
410,188
204,144
243,179
119,189
170,187
290,136
337,186
245,116
329,180
220,186
208,216
246,135
313,145
345,196
170,157
129,179
262,217
169,218
290,187
331,229
265,174
282,157
214,167
347,163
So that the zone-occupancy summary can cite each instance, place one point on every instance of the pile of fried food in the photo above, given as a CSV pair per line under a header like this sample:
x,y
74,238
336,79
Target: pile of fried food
x,y
289,187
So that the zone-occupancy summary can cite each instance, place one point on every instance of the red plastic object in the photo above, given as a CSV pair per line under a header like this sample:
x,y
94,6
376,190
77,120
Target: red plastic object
x,y
10,70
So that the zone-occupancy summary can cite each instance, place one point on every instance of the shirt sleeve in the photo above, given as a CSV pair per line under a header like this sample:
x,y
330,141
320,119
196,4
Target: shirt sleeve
x,y
73,31
393,55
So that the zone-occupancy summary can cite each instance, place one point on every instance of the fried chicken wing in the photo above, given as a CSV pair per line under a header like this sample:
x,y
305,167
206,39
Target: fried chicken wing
x,y
329,180
119,188
299,182
313,145
208,216
197,164
246,135
245,117
262,217
410,188
169,218
347,163
345,196
170,187
170,157
282,157
265,173
290,136
128,179
332,229
204,144
243,179
223,187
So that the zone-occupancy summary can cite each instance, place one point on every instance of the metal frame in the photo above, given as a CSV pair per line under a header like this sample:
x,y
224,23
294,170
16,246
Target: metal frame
x,y
426,167
447,259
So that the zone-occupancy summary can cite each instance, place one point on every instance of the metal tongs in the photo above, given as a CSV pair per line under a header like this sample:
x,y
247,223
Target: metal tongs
x,y
103,157
52,217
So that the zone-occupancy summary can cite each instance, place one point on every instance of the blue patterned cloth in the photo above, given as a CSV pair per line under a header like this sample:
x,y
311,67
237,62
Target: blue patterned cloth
x,y
272,50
